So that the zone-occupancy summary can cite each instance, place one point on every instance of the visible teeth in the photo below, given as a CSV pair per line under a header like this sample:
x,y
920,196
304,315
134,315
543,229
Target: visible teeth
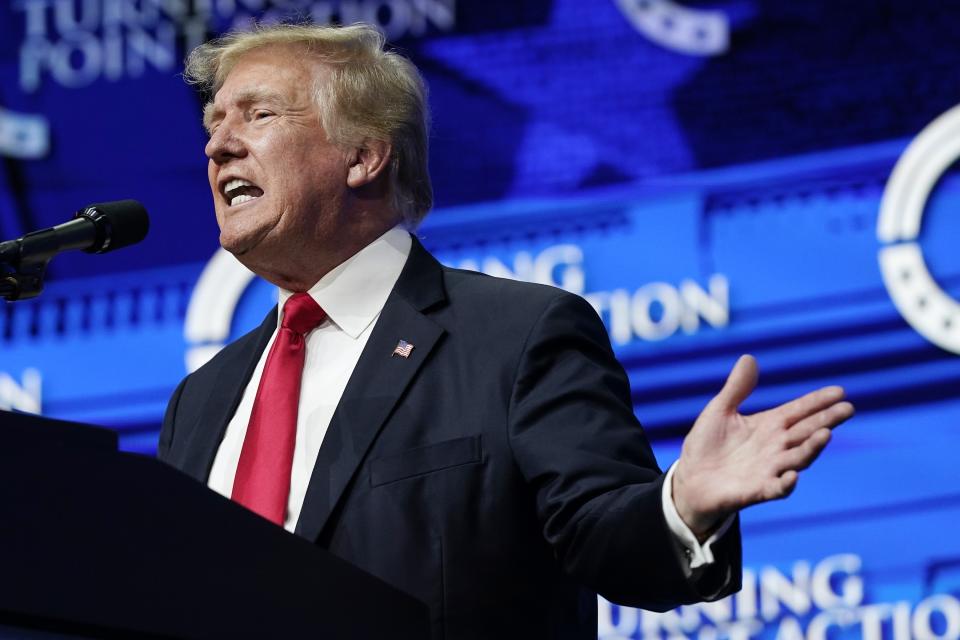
x,y
238,191
238,182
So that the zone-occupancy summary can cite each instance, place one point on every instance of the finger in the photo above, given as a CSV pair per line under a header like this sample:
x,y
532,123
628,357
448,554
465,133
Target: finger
x,y
803,455
800,408
826,419
740,383
788,482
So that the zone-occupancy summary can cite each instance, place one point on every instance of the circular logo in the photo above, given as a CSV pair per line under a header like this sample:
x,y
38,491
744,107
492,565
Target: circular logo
x,y
212,306
918,297
695,32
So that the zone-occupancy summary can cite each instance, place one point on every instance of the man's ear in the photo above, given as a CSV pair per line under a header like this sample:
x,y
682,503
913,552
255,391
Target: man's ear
x,y
366,163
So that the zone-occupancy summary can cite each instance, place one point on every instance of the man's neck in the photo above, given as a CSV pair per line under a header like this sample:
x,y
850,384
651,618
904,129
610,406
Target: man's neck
x,y
302,269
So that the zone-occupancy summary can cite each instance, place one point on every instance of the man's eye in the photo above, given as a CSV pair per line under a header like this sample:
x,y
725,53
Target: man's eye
x,y
260,115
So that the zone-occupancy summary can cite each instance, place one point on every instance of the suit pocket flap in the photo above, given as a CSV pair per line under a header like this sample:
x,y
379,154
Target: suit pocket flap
x,y
433,457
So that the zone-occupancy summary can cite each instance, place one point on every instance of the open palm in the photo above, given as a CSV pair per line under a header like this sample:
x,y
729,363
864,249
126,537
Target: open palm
x,y
730,461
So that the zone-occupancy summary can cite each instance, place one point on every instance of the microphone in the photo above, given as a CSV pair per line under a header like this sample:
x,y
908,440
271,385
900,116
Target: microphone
x,y
97,228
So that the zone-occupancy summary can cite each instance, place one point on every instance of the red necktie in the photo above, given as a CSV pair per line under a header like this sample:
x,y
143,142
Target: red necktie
x,y
262,483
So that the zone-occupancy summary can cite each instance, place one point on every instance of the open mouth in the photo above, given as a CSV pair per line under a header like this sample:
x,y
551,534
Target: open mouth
x,y
238,191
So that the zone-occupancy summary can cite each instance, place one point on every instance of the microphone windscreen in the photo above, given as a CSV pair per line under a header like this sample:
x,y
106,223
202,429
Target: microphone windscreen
x,y
119,224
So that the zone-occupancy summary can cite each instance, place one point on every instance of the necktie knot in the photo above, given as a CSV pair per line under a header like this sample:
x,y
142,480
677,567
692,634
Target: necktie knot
x,y
301,314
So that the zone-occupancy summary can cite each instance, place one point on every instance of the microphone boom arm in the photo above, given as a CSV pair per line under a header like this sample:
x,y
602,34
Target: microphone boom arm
x,y
21,277
95,229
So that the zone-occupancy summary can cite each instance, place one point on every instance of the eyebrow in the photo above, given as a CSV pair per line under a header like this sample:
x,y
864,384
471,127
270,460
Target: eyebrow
x,y
212,113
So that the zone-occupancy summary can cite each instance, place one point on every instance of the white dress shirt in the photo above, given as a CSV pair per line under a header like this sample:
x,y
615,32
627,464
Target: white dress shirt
x,y
697,554
353,295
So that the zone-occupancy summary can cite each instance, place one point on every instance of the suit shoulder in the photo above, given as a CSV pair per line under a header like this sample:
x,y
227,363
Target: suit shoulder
x,y
509,311
484,288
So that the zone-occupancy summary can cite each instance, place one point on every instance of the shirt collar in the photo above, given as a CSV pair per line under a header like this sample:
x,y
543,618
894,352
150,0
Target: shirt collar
x,y
353,293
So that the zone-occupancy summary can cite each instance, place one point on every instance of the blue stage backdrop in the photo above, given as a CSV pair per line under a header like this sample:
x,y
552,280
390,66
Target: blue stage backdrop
x,y
716,178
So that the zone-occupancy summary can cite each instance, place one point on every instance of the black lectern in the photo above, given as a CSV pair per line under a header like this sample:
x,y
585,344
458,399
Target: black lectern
x,y
95,543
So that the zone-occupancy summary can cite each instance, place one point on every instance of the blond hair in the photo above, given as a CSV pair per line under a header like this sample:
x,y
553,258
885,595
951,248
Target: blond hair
x,y
371,94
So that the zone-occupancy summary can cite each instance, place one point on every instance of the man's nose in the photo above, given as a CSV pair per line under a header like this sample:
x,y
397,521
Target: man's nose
x,y
224,144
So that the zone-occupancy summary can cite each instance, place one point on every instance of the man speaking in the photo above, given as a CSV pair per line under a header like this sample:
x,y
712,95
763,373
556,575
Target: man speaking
x,y
468,439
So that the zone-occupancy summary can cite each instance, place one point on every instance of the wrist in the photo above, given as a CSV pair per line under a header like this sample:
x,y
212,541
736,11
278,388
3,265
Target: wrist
x,y
700,522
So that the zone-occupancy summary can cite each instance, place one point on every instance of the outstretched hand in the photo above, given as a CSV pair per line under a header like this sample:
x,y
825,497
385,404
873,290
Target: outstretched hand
x,y
730,461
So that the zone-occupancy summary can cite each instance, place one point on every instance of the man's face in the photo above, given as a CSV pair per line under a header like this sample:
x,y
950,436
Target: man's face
x,y
278,183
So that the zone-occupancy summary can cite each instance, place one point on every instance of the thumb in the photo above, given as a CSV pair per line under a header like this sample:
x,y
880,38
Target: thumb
x,y
740,383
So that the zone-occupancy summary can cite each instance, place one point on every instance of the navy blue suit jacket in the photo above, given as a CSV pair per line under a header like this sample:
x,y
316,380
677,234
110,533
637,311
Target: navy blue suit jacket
x,y
498,473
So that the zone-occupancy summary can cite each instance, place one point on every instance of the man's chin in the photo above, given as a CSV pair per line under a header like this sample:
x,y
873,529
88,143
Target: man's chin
x,y
235,249
253,253
240,244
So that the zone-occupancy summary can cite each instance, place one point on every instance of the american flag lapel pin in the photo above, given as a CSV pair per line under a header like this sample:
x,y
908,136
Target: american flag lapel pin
x,y
402,349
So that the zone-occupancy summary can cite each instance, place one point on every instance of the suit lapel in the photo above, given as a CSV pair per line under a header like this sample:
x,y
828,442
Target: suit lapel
x,y
376,385
236,367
